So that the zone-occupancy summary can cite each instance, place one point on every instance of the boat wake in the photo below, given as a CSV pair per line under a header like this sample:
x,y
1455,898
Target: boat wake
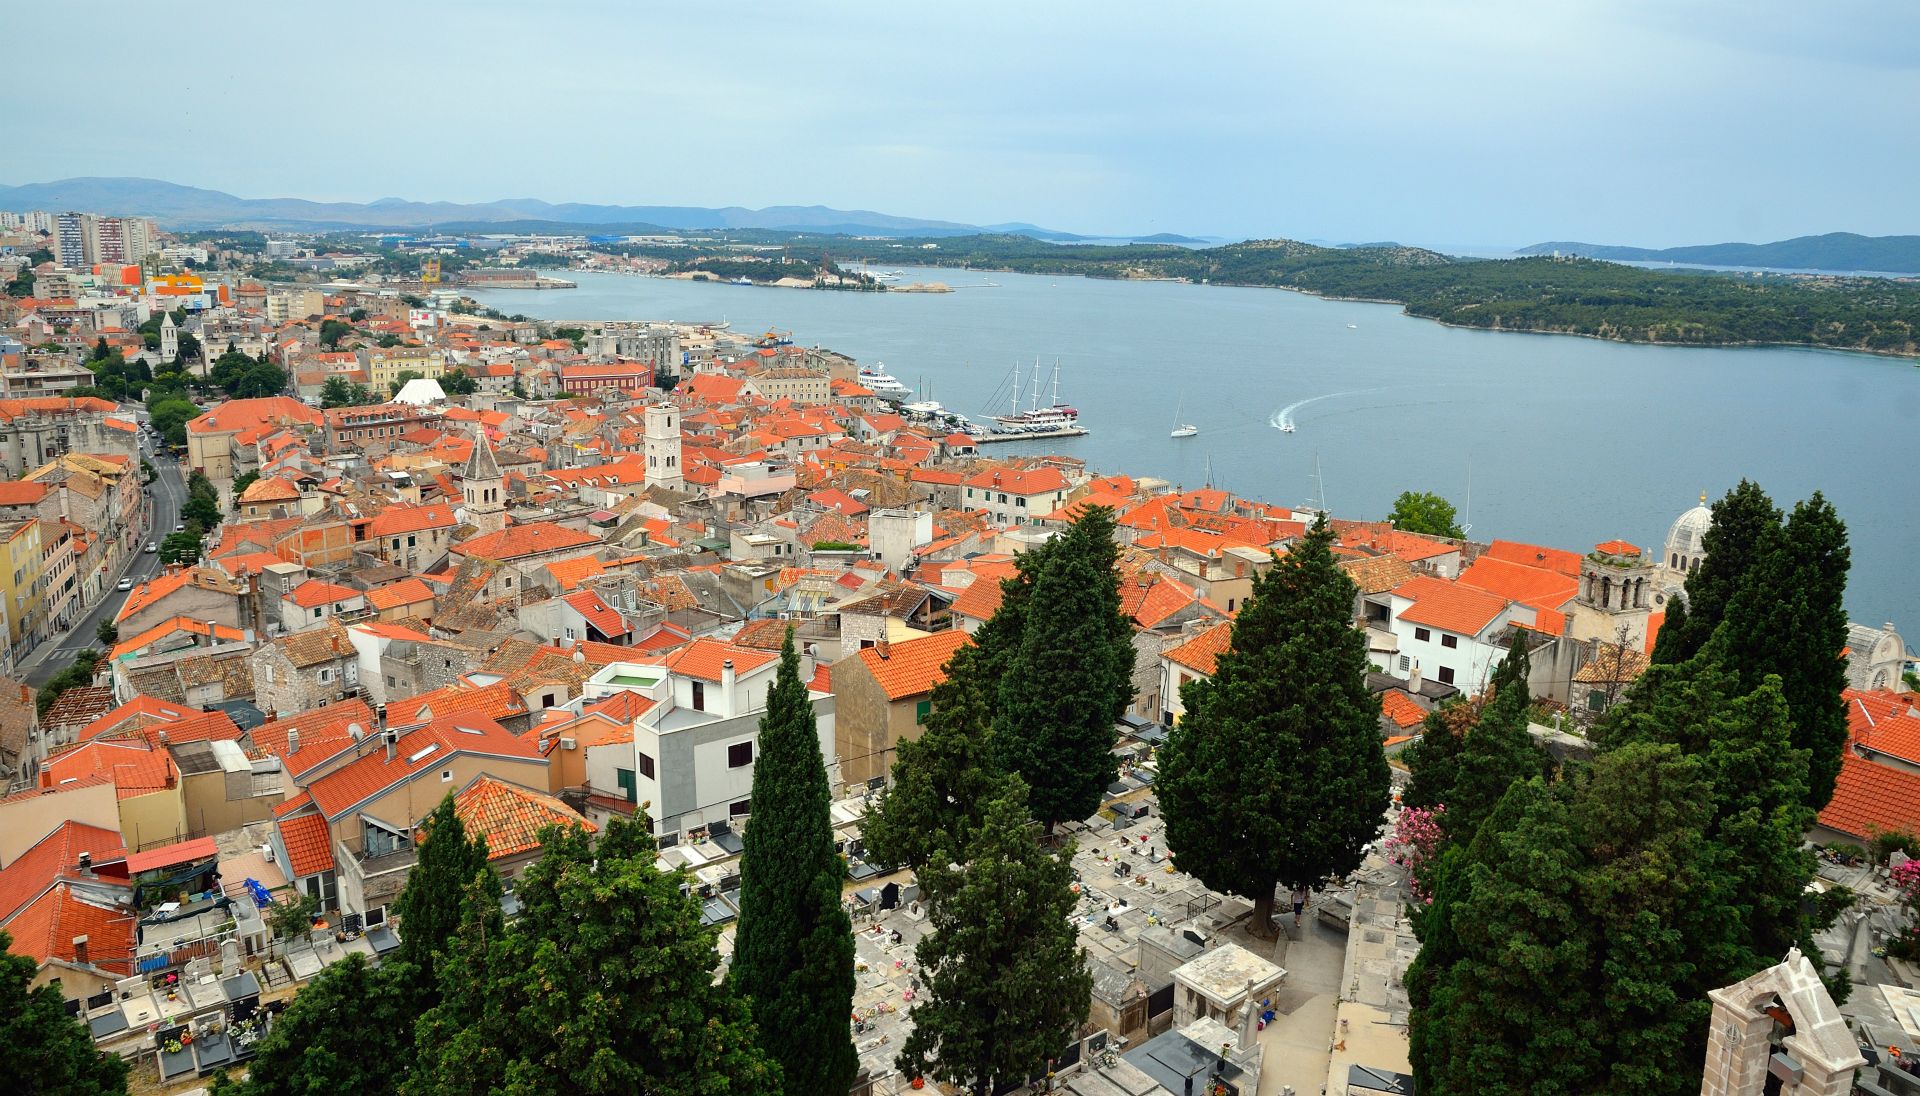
x,y
1282,420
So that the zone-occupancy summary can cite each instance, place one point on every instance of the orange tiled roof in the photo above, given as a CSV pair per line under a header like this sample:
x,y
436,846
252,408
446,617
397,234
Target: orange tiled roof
x,y
421,750
525,540
1202,651
46,929
309,845
1449,606
1029,481
53,858
703,658
134,767
1884,722
1869,798
1617,548
177,624
570,573
913,667
1400,709
980,600
511,817
323,733
598,613
1533,555
399,520
315,592
1536,586
409,591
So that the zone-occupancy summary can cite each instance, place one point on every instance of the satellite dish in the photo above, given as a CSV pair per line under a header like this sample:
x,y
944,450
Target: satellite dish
x,y
356,731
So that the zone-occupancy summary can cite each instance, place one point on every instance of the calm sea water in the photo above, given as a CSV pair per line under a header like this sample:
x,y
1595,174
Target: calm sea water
x,y
1549,439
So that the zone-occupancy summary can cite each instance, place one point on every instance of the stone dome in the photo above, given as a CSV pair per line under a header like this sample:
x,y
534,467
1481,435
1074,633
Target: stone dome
x,y
1686,540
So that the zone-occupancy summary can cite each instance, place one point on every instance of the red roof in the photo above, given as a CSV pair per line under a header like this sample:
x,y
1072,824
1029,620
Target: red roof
x,y
410,591
1400,708
1031,481
185,852
1449,606
420,750
46,929
1539,587
1885,723
1870,798
1533,555
597,613
1203,650
525,540
314,593
704,659
411,519
309,845
913,667
53,858
511,817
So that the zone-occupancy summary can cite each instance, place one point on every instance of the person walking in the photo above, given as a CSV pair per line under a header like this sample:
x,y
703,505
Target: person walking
x,y
1299,904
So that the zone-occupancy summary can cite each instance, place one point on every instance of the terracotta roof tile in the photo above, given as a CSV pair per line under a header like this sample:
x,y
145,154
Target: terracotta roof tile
x,y
1869,798
1449,606
1533,555
1203,650
1400,709
525,540
913,667
511,817
45,930
309,845
53,858
1885,723
703,658
420,750
1539,587
410,591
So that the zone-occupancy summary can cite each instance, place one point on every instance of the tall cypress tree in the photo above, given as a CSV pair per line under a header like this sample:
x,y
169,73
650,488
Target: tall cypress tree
x,y
433,904
793,951
1789,619
46,1049
1006,982
1065,686
1276,774
943,780
1745,527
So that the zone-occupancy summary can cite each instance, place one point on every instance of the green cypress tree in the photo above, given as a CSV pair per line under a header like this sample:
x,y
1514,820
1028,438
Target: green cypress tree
x,y
1494,754
46,1050
1435,759
943,780
1006,983
603,985
793,950
347,1031
1745,527
1276,775
1789,618
433,904
1065,686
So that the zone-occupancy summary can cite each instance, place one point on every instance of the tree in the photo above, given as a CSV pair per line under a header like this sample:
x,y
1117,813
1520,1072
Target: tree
x,y
400,380
47,1050
1497,750
181,548
1006,984
341,392
1789,618
170,415
1067,683
292,915
332,331
1425,512
106,633
262,379
605,979
342,1033
78,673
458,382
943,780
1276,774
793,949
1745,526
434,903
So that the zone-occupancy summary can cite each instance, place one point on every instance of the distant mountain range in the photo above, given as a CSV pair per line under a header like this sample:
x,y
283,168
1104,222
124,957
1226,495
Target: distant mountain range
x,y
185,207
1835,251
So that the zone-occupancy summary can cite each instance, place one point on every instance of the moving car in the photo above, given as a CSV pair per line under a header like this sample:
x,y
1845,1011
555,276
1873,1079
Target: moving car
x,y
125,584
152,547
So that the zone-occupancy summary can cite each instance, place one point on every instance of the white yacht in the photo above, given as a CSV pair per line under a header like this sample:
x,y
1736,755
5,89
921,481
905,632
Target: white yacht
x,y
1182,429
876,380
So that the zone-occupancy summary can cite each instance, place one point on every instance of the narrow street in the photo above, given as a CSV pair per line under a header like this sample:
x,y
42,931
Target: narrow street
x,y
169,492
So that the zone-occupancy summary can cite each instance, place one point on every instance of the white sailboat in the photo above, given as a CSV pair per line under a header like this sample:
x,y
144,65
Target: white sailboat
x,y
1182,429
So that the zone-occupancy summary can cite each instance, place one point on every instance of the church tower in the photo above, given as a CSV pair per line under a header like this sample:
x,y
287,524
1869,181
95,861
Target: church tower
x,y
485,488
1616,598
169,340
663,446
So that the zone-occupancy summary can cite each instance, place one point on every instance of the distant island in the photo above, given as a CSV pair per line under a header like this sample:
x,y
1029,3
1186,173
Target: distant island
x,y
1565,296
1835,251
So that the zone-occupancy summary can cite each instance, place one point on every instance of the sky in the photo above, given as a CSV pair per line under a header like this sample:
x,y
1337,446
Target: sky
x,y
1464,124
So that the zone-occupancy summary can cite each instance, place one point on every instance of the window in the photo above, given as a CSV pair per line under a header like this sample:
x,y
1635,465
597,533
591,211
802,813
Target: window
x,y
1405,663
699,696
326,675
646,766
411,540
1449,641
446,775
740,808
1422,634
1446,675
739,755
624,778
921,710
318,611
1020,500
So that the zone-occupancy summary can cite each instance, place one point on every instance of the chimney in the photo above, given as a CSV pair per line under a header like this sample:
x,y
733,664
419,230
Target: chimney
x,y
80,950
26,695
162,736
393,740
726,676
884,649
212,638
293,741
86,863
1413,677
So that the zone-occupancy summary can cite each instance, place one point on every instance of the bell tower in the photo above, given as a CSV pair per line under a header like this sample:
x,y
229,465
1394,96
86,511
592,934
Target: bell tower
x,y
663,446
484,488
169,339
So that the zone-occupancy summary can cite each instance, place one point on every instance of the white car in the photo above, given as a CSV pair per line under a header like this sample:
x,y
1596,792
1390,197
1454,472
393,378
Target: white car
x,y
125,584
179,528
152,547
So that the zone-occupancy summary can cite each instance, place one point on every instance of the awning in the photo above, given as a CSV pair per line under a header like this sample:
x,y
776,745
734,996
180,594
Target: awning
x,y
200,848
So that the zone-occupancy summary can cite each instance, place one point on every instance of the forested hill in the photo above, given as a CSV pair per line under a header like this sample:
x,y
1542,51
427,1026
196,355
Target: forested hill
x,y
1540,294
1840,251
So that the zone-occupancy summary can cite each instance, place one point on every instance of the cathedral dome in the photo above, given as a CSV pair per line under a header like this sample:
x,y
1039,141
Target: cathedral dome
x,y
1686,540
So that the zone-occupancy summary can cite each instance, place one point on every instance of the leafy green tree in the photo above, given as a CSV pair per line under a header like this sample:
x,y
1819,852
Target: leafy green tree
x,y
943,780
241,483
1497,751
400,380
170,416
1070,678
48,1051
1276,774
434,903
357,315
332,331
183,547
458,382
78,673
793,950
106,633
1425,512
200,508
342,1033
293,915
263,379
1745,529
1006,982
341,392
605,979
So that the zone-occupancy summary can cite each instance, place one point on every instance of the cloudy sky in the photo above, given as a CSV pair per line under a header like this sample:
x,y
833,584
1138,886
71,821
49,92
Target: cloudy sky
x,y
1461,123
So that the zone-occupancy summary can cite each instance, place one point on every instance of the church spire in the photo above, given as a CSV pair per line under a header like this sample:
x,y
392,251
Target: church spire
x,y
481,465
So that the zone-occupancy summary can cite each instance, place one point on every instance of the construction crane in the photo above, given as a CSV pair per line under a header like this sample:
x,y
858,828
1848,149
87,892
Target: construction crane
x,y
430,271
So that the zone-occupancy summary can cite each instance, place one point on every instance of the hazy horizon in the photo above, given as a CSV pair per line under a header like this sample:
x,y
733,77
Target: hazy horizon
x,y
1626,122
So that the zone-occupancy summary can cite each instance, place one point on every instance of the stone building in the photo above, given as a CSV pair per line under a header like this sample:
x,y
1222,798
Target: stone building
x,y
306,670
883,697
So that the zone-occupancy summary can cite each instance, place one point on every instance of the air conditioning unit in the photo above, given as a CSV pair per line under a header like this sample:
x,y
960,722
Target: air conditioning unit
x,y
569,744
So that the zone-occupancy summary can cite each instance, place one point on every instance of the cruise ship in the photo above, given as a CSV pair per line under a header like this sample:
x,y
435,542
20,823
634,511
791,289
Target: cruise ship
x,y
876,380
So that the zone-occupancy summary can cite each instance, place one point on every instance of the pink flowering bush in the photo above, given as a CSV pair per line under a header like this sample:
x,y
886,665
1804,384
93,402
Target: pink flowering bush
x,y
1906,880
1415,842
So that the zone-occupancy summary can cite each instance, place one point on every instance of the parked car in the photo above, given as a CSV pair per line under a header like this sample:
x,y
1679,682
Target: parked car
x,y
152,547
125,584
